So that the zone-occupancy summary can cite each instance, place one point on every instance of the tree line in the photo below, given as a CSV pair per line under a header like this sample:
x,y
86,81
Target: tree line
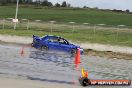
x,y
35,2
49,4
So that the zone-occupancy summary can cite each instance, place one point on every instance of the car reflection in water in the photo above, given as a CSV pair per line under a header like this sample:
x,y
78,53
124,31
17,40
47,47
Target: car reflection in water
x,y
60,58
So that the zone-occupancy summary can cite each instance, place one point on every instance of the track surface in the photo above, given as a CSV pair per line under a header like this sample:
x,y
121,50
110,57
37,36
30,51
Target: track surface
x,y
58,67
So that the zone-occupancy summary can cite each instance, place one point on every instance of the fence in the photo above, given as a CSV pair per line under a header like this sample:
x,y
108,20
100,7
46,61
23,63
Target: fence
x,y
86,32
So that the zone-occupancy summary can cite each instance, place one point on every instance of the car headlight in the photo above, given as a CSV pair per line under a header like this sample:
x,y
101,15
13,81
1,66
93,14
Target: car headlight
x,y
81,49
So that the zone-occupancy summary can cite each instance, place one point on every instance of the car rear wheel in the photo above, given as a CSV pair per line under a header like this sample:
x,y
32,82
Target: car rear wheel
x,y
44,48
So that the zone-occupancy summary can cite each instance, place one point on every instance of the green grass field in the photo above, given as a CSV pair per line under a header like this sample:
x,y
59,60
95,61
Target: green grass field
x,y
82,33
68,14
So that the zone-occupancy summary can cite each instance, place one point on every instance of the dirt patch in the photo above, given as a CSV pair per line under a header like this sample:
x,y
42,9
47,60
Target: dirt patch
x,y
108,54
15,39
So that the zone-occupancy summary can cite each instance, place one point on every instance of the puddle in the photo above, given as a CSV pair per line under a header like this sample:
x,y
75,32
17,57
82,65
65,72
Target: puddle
x,y
59,66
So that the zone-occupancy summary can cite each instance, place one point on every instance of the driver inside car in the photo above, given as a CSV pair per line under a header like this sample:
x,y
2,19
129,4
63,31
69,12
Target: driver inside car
x,y
61,41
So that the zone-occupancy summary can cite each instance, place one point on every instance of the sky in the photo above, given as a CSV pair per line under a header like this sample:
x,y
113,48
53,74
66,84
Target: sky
x,y
102,4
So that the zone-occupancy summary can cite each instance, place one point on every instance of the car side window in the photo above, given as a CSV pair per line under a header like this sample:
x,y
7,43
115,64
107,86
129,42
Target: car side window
x,y
58,40
53,40
62,41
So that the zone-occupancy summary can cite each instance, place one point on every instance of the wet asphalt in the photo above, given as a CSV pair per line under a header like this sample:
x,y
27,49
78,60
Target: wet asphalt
x,y
58,67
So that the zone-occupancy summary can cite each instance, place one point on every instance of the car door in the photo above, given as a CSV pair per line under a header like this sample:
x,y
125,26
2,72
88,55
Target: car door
x,y
64,45
53,43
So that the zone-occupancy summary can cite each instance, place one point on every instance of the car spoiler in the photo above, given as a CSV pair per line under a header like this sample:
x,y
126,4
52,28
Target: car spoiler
x,y
34,36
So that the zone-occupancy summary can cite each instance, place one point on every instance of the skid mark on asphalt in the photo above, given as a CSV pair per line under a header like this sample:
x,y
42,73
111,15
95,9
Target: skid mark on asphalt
x,y
51,81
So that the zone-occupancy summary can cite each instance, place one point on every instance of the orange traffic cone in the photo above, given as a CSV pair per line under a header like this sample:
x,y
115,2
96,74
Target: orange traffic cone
x,y
84,73
77,57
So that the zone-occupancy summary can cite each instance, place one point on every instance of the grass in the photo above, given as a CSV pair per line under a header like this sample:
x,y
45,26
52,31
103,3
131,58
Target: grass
x,y
80,34
103,35
68,14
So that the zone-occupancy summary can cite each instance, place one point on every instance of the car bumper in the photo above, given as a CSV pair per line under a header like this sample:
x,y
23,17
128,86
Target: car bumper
x,y
81,51
37,46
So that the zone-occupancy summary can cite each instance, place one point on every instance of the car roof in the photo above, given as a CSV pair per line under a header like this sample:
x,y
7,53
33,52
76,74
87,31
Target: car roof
x,y
52,36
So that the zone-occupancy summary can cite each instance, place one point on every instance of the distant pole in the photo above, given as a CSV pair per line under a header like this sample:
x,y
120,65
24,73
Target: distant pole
x,y
101,24
27,24
72,26
3,23
94,30
117,32
51,29
16,14
38,22
86,24
27,21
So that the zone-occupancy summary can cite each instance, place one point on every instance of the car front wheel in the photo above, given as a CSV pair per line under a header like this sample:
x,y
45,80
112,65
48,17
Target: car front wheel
x,y
73,51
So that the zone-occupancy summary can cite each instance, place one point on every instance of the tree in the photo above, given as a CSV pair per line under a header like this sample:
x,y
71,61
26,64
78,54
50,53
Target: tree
x,y
96,8
37,2
3,2
8,1
14,1
50,4
84,6
29,2
47,3
57,5
20,1
64,4
127,10
68,5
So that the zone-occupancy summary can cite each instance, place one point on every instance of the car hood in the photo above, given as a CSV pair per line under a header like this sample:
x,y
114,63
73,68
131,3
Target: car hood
x,y
74,46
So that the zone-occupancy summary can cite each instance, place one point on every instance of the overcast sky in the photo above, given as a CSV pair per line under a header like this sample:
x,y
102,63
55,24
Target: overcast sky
x,y
106,4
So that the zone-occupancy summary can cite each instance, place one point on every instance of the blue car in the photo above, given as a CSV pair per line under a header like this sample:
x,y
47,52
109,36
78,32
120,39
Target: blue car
x,y
54,42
